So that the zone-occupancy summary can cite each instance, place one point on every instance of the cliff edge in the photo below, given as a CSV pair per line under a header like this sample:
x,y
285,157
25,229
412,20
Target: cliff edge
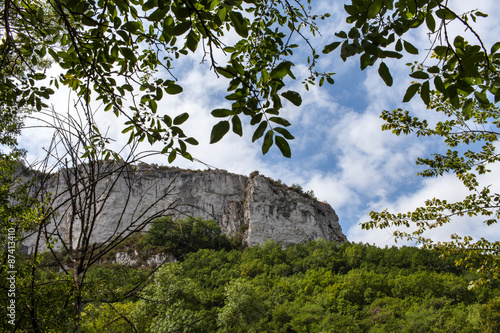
x,y
255,208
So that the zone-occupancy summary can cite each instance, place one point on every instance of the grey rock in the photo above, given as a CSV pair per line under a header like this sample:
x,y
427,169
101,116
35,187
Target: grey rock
x,y
131,259
255,208
277,212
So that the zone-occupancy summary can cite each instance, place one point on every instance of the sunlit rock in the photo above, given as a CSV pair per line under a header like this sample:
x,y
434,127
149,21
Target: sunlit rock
x,y
254,208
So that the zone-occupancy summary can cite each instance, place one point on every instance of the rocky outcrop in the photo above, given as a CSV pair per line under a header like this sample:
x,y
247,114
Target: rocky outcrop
x,y
255,208
134,258
277,212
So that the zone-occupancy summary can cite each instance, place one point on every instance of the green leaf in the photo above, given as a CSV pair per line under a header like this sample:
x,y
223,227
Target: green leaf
x,y
481,98
392,54
412,7
158,15
173,89
128,54
410,48
259,132
237,127
494,48
431,23
239,23
497,96
131,26
172,156
284,132
348,50
465,86
265,76
410,92
351,10
234,96
281,121
433,69
123,5
218,131
180,119
281,70
225,72
192,141
293,97
54,55
459,42
187,156
385,74
445,14
374,8
181,28
370,48
364,61
167,120
399,46
182,146
425,93
153,105
221,113
442,51
330,47
283,146
128,129
256,119
192,40
438,83
341,34
467,108
419,75
221,14
451,91
268,142
354,33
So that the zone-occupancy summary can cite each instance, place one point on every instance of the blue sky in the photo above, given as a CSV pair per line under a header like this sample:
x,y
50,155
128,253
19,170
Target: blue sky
x,y
340,151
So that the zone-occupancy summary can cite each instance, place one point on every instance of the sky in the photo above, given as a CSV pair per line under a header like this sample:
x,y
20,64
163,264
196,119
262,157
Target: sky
x,y
340,151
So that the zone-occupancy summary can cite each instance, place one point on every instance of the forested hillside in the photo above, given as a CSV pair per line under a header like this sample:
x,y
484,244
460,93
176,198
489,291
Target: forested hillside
x,y
217,286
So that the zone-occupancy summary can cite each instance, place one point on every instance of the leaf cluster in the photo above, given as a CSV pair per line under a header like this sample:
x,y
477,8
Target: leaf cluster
x,y
478,132
119,52
464,73
458,79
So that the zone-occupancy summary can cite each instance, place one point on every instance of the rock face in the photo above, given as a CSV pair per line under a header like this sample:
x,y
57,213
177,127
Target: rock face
x,y
256,208
277,212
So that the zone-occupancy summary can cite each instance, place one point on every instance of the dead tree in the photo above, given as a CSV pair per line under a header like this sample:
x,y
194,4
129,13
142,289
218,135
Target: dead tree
x,y
79,181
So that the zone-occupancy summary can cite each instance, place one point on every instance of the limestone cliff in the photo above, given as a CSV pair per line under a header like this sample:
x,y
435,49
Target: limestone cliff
x,y
277,212
255,207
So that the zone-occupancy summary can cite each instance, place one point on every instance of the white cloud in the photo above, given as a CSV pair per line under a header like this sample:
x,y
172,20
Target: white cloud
x,y
447,187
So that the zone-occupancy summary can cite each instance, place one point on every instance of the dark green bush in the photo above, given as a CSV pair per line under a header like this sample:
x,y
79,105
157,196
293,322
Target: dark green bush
x,y
181,237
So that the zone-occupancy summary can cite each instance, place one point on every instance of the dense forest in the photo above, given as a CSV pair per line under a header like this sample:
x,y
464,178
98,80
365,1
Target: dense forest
x,y
218,285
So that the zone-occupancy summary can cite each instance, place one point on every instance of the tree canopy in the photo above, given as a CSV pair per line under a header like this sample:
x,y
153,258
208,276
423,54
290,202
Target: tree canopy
x,y
123,54
313,287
